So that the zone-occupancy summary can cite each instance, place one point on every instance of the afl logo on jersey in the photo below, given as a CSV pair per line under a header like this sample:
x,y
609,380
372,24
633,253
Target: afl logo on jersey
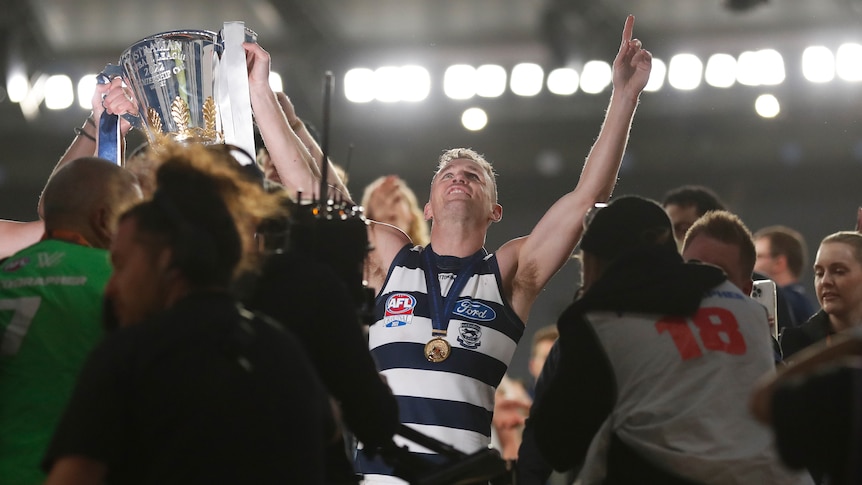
x,y
399,310
17,264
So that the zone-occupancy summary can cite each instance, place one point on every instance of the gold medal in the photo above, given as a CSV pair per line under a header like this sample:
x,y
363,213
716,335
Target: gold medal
x,y
437,350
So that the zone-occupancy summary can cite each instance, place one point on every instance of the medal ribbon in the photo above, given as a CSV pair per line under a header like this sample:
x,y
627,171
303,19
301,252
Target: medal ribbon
x,y
442,308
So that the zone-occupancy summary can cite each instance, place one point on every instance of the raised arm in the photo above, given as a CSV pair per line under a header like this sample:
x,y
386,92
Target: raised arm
x,y
528,263
86,136
292,150
113,98
15,235
296,157
301,130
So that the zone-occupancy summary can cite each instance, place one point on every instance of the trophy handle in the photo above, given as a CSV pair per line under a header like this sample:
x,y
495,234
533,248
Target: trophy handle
x,y
110,72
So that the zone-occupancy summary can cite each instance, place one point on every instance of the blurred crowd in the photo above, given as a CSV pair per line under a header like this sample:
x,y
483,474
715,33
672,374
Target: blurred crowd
x,y
191,315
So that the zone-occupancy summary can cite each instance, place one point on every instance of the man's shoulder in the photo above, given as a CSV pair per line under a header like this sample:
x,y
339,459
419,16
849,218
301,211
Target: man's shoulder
x,y
53,252
797,296
816,327
727,291
56,264
189,320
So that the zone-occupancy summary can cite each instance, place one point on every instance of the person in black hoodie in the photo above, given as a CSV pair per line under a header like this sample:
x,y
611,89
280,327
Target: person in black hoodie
x,y
654,364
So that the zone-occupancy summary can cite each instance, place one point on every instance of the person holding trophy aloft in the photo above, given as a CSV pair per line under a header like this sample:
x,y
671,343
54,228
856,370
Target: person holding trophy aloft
x,y
285,285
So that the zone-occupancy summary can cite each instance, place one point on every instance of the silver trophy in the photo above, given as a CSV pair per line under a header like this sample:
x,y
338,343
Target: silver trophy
x,y
179,81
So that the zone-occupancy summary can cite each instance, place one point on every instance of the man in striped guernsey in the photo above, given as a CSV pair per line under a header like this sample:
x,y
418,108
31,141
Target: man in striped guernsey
x,y
449,315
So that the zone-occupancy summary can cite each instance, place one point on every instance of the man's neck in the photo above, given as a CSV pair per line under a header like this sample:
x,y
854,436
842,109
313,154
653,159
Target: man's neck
x,y
69,235
456,240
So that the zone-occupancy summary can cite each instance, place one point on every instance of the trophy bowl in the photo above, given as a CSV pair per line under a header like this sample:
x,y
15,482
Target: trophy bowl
x,y
173,76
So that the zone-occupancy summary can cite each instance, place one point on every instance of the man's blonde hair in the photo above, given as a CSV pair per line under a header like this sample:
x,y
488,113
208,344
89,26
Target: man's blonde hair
x,y
468,154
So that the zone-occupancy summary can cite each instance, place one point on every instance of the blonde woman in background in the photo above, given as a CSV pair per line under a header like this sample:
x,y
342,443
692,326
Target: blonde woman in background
x,y
389,199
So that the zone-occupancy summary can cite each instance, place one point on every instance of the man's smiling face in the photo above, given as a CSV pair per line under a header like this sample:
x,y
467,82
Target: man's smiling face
x,y
461,190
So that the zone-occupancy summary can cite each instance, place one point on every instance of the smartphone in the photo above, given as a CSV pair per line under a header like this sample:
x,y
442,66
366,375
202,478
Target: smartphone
x,y
764,293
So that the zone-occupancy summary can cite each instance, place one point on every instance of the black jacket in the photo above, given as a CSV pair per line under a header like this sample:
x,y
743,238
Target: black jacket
x,y
794,339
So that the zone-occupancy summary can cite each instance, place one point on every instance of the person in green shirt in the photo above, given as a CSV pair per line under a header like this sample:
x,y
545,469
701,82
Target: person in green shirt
x,y
51,307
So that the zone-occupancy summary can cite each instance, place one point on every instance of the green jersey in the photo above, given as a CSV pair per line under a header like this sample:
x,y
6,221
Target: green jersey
x,y
50,318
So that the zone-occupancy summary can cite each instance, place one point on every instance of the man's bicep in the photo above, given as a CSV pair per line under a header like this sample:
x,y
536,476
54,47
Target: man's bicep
x,y
385,242
552,241
15,236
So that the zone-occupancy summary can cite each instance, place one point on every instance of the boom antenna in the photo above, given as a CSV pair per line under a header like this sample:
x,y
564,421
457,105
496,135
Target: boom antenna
x,y
324,142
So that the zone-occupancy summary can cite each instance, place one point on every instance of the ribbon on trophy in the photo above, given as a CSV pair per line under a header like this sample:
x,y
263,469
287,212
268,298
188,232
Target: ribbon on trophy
x,y
233,96
109,145
191,86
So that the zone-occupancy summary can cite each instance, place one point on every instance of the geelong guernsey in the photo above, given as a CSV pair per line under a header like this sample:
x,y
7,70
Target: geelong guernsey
x,y
50,318
453,400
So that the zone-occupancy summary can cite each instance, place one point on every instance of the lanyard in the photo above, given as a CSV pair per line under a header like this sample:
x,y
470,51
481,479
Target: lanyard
x,y
442,308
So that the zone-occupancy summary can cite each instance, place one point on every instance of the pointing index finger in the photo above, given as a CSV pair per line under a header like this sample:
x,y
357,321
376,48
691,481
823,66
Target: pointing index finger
x,y
629,28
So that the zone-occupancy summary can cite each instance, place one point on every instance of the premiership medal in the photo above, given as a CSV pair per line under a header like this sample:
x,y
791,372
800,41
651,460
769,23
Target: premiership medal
x,y
437,350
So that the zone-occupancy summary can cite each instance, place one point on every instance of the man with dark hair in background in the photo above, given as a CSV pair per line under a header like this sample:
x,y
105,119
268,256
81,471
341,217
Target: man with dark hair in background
x,y
51,307
782,255
686,204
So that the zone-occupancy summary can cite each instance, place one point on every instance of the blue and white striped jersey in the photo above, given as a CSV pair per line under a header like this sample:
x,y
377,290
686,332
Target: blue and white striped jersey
x,y
453,400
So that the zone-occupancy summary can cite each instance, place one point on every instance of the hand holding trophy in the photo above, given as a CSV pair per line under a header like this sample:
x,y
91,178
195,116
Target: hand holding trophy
x,y
185,86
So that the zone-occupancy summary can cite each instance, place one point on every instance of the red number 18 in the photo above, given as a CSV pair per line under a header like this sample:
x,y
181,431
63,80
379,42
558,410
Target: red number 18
x,y
717,327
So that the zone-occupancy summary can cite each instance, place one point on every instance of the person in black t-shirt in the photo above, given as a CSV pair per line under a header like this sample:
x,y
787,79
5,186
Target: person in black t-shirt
x,y
192,388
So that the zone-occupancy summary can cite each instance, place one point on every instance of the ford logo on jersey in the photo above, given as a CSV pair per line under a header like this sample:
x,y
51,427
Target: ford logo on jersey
x,y
399,310
474,310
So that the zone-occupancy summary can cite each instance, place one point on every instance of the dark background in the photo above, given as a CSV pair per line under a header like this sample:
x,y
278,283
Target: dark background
x,y
802,168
